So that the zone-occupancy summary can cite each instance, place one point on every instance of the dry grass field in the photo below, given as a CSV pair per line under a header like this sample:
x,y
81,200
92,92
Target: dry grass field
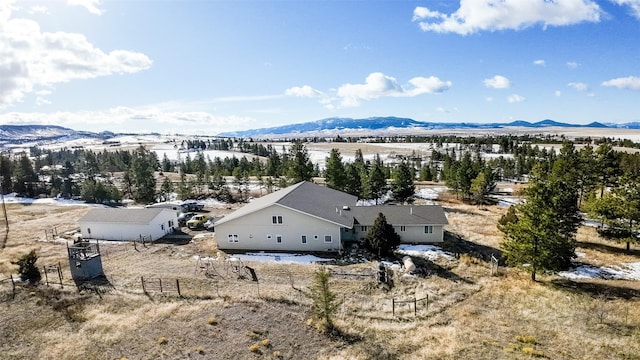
x,y
222,314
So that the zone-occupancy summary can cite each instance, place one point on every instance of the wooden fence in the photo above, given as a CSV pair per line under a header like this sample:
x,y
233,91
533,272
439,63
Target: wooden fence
x,y
397,303
162,286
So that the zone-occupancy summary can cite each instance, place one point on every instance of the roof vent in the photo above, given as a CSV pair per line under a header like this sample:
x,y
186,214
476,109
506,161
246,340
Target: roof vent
x,y
346,207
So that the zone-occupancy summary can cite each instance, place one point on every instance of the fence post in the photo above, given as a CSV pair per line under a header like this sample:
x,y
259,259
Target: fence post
x,y
427,302
46,277
13,287
142,280
393,306
178,287
160,281
415,307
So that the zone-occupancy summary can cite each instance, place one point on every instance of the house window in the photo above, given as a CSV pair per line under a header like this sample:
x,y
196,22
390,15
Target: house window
x,y
279,239
428,229
170,223
403,228
162,227
276,219
89,231
303,239
233,238
363,228
327,238
268,237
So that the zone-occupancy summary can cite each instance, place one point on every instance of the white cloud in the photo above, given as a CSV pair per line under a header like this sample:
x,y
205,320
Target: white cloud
x,y
380,85
557,93
38,10
579,86
90,5
515,98
572,65
497,82
539,62
303,91
490,15
629,82
42,101
488,99
31,59
633,4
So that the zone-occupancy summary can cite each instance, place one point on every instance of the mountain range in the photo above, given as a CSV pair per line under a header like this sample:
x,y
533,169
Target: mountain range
x,y
27,133
390,122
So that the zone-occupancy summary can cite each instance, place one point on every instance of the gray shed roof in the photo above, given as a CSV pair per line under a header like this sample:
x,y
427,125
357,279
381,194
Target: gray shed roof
x,y
117,215
306,197
401,214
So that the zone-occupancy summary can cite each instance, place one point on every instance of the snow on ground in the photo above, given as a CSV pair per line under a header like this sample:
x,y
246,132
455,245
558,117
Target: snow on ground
x,y
430,193
281,258
429,252
626,271
14,199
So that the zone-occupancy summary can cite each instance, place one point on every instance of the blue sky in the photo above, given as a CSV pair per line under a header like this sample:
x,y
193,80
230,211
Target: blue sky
x,y
204,66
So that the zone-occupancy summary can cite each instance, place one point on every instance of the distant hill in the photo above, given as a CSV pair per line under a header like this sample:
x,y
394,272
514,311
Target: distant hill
x,y
27,133
379,123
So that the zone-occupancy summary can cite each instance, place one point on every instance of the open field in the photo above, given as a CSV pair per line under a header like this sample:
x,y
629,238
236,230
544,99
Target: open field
x,y
223,315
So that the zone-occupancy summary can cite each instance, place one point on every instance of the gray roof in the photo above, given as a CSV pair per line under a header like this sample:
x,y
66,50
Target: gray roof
x,y
118,215
401,214
306,197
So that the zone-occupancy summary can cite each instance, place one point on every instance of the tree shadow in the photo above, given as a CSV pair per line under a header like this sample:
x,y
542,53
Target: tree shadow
x,y
457,245
425,267
610,249
178,237
98,285
608,289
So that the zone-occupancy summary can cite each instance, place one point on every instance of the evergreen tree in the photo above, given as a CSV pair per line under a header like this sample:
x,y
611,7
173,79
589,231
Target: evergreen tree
x,y
325,303
353,181
382,239
25,177
376,181
540,238
143,165
335,176
27,267
482,186
403,188
299,166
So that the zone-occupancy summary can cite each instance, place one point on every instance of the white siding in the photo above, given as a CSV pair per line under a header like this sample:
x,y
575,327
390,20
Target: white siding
x,y
156,229
253,231
413,234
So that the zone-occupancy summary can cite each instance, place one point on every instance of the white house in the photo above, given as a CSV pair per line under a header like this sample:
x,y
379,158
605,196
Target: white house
x,y
128,224
415,224
302,217
310,217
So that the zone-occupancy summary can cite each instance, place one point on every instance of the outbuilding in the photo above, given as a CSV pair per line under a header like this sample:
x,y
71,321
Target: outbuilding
x,y
149,224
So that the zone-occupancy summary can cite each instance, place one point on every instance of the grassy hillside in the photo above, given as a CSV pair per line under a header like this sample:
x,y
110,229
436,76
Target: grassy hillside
x,y
224,315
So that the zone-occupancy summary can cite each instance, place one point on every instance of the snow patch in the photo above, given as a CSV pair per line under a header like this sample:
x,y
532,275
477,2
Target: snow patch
x,y
429,252
627,271
281,258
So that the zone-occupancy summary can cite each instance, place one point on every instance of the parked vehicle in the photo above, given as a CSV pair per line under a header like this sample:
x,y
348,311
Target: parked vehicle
x,y
197,221
184,217
209,223
192,206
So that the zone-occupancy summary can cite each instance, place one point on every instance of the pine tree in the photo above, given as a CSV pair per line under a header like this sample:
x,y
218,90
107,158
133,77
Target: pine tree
x,y
335,176
325,303
403,188
27,267
376,181
299,166
543,235
382,239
